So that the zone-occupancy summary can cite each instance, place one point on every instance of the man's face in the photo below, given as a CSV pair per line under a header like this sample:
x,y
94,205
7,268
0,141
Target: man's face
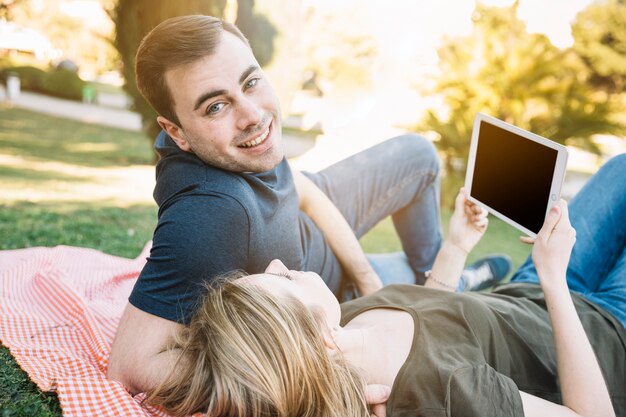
x,y
229,114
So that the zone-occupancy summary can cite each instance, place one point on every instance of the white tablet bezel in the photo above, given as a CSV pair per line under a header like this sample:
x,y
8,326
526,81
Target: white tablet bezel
x,y
557,178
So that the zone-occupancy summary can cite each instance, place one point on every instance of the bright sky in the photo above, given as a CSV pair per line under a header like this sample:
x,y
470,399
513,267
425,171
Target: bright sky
x,y
434,18
550,17
424,22
408,32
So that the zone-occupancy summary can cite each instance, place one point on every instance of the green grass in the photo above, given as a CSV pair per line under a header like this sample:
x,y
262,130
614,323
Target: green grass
x,y
110,226
499,238
115,230
29,135
19,397
26,141
121,231
106,88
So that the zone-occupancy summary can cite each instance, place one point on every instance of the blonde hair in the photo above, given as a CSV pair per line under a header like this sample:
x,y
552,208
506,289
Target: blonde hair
x,y
249,353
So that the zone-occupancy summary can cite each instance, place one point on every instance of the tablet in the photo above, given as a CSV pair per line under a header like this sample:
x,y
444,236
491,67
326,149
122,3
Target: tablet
x,y
515,174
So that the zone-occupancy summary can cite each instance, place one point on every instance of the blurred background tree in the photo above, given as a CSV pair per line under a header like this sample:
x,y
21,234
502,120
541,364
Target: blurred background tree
x,y
504,71
7,7
341,56
85,44
135,18
600,39
260,32
564,94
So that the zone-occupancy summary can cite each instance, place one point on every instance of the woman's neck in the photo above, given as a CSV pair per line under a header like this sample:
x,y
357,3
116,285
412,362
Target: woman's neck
x,y
360,347
378,344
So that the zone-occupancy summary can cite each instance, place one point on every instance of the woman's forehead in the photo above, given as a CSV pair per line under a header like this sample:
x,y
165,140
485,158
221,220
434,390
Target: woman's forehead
x,y
267,281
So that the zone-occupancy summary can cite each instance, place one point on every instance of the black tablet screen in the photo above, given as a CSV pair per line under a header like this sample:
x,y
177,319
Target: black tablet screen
x,y
513,175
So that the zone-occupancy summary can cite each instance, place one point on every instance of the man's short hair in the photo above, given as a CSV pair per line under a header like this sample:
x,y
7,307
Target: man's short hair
x,y
174,42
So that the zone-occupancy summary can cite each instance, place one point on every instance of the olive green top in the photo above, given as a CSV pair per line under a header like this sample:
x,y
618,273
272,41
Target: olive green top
x,y
473,352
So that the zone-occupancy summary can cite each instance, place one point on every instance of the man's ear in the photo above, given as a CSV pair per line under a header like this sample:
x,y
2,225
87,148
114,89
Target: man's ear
x,y
175,132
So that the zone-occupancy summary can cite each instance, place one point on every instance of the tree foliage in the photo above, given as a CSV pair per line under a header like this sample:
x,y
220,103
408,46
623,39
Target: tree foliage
x,y
502,70
260,32
87,44
7,7
600,39
341,56
135,18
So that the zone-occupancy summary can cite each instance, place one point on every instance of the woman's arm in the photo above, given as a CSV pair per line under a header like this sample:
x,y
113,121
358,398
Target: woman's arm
x,y
467,225
583,388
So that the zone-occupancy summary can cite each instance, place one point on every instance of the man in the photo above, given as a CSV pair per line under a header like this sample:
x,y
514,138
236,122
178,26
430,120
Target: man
x,y
229,200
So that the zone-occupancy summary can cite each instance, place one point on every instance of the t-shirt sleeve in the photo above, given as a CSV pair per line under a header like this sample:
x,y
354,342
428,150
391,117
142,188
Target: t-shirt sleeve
x,y
481,391
197,238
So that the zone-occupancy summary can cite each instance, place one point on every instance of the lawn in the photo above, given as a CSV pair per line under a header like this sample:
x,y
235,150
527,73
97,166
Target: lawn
x,y
65,182
61,184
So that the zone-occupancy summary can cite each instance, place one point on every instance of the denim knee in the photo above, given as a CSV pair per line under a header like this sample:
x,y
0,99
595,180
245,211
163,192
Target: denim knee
x,y
612,176
617,164
418,151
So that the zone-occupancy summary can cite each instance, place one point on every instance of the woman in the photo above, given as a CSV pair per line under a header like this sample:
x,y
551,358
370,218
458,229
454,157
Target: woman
x,y
278,344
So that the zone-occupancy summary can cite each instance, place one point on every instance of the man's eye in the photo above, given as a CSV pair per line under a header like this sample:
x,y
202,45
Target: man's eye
x,y
251,83
215,108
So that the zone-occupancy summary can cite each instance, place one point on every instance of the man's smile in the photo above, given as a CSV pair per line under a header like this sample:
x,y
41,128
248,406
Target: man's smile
x,y
255,142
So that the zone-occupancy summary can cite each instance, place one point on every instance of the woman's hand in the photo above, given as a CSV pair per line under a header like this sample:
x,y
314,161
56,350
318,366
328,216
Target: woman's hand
x,y
467,224
553,246
583,389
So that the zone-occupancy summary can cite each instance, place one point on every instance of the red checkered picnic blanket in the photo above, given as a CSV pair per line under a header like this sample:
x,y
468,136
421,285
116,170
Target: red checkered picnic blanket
x,y
59,308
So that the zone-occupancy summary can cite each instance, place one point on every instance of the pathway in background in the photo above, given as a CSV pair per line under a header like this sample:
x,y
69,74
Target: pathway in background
x,y
87,113
118,117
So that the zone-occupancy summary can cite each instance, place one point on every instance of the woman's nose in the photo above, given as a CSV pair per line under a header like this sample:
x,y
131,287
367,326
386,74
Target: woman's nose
x,y
276,266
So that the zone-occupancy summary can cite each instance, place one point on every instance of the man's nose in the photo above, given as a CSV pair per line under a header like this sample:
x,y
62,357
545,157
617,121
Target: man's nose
x,y
250,113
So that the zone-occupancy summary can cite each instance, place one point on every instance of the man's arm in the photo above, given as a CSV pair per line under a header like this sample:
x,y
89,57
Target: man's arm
x,y
197,238
140,356
338,233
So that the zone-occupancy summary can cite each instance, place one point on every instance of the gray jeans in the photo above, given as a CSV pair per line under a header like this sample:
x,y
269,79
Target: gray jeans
x,y
397,178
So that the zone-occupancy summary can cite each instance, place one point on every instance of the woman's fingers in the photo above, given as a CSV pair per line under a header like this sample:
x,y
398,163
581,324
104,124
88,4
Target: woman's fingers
x,y
552,219
474,211
459,202
527,239
379,410
481,223
482,214
564,226
564,222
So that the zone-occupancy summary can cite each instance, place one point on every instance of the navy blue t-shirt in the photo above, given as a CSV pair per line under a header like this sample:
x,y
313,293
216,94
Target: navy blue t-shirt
x,y
212,222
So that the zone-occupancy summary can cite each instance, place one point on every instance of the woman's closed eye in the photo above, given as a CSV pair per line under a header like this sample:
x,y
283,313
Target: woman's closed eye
x,y
286,274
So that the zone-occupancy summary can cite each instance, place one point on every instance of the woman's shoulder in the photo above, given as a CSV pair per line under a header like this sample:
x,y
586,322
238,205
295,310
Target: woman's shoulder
x,y
400,296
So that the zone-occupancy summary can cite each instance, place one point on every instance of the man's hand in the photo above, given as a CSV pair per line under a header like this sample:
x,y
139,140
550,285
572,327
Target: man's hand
x,y
376,397
467,224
